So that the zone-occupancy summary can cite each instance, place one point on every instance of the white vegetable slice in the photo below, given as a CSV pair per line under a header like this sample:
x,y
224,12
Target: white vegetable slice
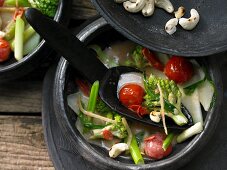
x,y
206,92
73,100
130,78
191,102
155,72
193,130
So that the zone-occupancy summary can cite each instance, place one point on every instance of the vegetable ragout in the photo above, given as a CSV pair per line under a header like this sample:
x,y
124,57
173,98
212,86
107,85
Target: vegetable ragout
x,y
17,37
168,86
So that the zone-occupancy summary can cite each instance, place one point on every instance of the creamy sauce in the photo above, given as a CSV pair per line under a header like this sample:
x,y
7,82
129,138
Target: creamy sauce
x,y
120,51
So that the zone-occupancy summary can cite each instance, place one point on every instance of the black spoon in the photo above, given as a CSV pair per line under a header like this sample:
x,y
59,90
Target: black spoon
x,y
85,61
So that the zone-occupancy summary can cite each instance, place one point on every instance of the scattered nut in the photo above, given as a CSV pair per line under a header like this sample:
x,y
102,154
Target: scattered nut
x,y
180,12
170,26
134,6
117,149
155,116
148,9
164,4
190,23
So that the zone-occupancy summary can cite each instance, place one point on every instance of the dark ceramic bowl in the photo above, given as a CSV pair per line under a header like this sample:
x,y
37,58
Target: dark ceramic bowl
x,y
13,69
100,31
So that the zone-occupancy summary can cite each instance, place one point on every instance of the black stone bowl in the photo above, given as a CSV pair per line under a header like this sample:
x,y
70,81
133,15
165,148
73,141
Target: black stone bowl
x,y
99,31
13,69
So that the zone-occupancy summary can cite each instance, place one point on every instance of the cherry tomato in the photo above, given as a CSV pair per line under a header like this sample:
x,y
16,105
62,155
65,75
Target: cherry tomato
x,y
18,13
153,146
1,3
179,69
4,50
83,86
131,94
140,110
107,135
152,59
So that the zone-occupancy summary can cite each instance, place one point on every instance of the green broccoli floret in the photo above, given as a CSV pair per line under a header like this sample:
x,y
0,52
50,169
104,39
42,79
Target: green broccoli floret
x,y
171,95
47,7
137,60
118,130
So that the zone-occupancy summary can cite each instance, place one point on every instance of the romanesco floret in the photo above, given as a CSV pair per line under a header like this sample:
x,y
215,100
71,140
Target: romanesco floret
x,y
47,7
170,90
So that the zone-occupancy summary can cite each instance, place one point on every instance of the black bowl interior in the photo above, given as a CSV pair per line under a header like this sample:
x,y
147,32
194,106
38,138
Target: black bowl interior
x,y
181,154
12,68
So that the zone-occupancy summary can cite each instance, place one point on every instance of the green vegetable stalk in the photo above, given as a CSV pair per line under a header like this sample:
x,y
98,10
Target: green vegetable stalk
x,y
93,96
10,30
168,140
28,33
135,152
19,31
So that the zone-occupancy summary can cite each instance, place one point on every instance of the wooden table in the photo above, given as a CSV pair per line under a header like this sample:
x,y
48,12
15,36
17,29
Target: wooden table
x,y
22,144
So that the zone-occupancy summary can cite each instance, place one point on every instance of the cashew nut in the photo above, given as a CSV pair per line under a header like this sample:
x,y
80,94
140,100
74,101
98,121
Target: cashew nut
x,y
164,4
190,23
180,12
170,26
134,6
155,116
148,9
117,149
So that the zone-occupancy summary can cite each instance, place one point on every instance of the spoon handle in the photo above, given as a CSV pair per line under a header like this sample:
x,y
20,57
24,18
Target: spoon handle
x,y
66,44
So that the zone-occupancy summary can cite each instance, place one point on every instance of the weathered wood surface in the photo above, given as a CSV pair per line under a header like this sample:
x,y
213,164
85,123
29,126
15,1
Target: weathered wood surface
x,y
22,144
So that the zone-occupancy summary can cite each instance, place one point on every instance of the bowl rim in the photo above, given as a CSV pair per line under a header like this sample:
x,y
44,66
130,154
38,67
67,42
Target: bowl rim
x,y
58,17
91,155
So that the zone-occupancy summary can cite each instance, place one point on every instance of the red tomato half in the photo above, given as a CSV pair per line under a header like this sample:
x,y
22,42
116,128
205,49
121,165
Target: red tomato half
x,y
179,69
131,94
4,50
153,146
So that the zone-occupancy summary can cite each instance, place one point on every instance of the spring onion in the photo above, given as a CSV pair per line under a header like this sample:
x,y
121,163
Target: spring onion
x,y
135,152
93,97
168,140
27,35
193,130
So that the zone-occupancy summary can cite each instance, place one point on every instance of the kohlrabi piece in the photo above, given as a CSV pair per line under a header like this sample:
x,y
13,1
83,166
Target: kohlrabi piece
x,y
73,100
192,103
206,93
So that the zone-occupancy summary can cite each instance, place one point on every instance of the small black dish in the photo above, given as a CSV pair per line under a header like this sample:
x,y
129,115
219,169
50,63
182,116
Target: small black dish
x,y
13,69
209,37
98,31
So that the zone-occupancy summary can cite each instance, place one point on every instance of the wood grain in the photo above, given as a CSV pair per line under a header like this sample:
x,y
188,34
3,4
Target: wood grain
x,y
22,144
21,96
